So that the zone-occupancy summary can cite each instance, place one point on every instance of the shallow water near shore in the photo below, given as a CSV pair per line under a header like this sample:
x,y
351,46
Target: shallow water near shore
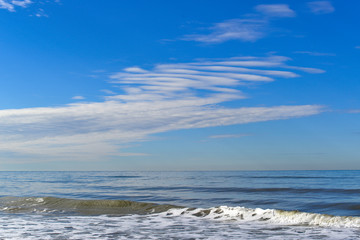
x,y
180,205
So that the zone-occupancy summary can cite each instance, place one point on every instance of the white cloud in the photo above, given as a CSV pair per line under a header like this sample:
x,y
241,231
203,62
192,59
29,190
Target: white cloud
x,y
167,81
321,7
315,53
96,130
6,5
354,111
275,10
358,47
41,13
23,3
248,30
135,70
108,92
10,5
78,98
228,136
166,98
308,70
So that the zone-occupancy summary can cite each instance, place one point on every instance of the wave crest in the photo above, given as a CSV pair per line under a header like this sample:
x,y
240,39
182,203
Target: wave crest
x,y
271,216
76,206
45,205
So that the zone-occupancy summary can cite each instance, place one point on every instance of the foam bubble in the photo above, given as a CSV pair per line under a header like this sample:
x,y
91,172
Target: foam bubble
x,y
173,224
52,218
269,215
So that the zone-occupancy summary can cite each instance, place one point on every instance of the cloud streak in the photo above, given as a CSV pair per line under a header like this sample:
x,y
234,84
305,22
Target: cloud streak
x,y
321,7
247,29
224,136
354,111
10,5
315,53
275,10
96,130
166,98
222,78
78,98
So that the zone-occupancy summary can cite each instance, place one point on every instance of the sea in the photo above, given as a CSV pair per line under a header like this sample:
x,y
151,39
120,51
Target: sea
x,y
180,205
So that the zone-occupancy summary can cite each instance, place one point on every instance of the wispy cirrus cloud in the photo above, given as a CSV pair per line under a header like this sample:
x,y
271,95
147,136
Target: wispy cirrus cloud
x,y
78,98
307,69
37,9
224,136
354,111
10,5
221,77
97,130
41,13
165,98
321,7
275,10
315,53
247,29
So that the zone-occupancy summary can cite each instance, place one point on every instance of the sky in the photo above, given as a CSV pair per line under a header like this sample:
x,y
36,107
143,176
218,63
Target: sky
x,y
179,85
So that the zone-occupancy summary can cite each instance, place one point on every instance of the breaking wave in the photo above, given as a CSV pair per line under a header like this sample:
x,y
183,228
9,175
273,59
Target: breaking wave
x,y
270,215
52,205
75,206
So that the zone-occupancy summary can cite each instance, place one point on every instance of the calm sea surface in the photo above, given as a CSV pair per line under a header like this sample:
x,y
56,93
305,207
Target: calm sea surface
x,y
180,205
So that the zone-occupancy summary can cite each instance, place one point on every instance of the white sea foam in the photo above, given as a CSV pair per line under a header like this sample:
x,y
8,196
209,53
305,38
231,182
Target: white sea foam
x,y
158,226
270,215
213,223
50,214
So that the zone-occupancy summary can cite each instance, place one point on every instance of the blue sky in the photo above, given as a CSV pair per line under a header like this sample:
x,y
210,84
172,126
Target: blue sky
x,y
179,85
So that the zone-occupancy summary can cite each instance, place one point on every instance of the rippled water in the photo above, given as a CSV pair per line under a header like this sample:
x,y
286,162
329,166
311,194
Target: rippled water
x,y
180,205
